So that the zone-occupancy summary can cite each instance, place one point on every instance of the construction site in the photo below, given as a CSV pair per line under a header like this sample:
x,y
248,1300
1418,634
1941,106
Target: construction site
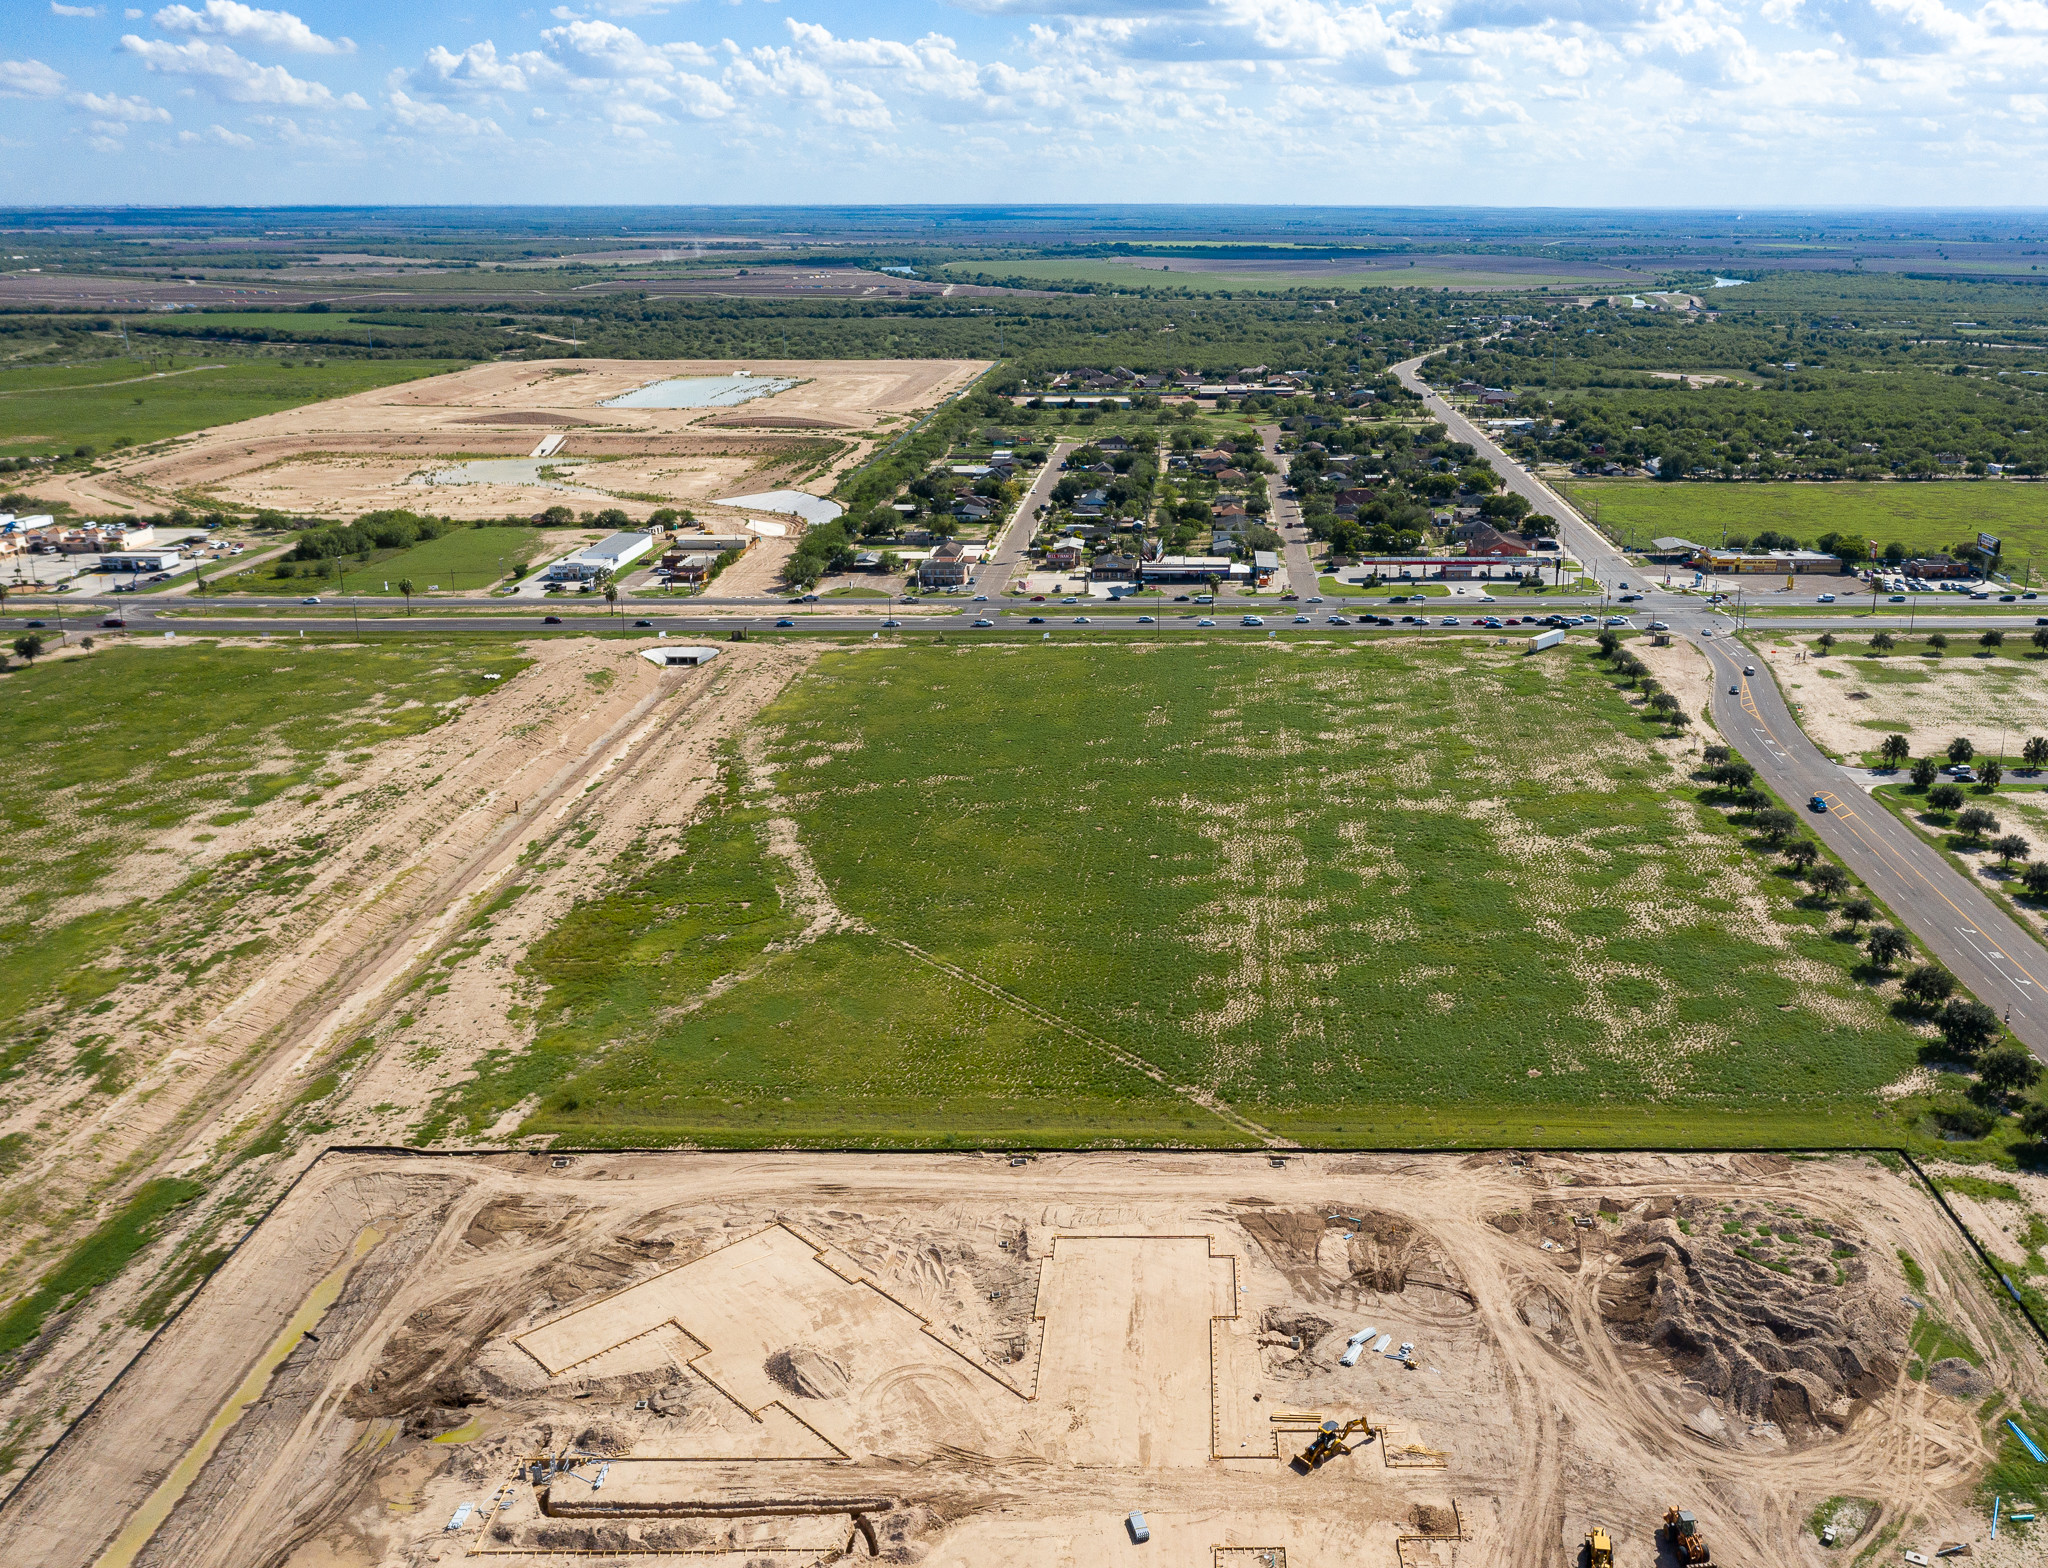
x,y
1270,1360
635,434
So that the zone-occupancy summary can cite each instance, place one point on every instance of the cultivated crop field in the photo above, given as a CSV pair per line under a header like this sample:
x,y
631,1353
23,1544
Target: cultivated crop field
x,y
1359,893
1922,517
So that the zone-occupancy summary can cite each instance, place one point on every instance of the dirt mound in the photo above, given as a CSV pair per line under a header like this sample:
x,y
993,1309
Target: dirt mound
x,y
1288,1236
766,422
1774,1342
808,1373
517,1220
1956,1378
605,1439
521,416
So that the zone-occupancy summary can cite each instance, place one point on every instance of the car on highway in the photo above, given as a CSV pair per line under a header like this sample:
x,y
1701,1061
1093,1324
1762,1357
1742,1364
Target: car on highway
x,y
809,598
1081,620
1036,620
1818,803
1749,669
643,623
1340,620
891,623
1623,585
981,598
1289,598
1314,598
1706,631
1826,598
984,623
113,620
1448,620
1897,598
1070,599
1630,598
1486,598
1205,621
1148,620
1303,620
1962,773
2007,598
1735,691
785,621
310,599
1617,620
35,625
1253,620
1660,626
1180,598
551,620
1038,598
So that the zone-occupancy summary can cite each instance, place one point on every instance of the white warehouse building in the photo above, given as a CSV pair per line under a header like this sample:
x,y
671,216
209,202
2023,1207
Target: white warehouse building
x,y
607,555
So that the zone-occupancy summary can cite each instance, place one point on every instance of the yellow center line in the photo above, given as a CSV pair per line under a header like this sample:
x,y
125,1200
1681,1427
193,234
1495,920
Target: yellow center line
x,y
1852,822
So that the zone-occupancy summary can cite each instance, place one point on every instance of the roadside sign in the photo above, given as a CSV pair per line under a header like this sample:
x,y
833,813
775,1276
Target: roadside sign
x,y
1988,543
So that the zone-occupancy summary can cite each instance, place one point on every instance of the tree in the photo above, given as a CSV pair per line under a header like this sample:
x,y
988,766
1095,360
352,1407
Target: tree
x,y
1776,826
2009,847
1858,910
2010,1069
1718,754
1976,824
1961,750
1664,704
1607,643
1827,641
405,587
1924,771
1993,639
1883,642
2035,752
1886,946
1828,879
1967,1027
1937,641
1802,852
1992,771
1895,750
2040,638
1734,775
2034,1122
29,645
1928,984
1945,797
611,594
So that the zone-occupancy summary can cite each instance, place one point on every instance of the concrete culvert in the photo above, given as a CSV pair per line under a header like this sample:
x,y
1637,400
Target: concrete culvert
x,y
808,1373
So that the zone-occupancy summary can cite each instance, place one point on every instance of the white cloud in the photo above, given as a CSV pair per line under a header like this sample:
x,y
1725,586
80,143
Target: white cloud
x,y
112,106
415,115
231,19
232,77
478,69
29,79
59,9
219,135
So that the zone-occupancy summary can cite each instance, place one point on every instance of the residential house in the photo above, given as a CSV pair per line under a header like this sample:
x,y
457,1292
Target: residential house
x,y
1093,504
1487,540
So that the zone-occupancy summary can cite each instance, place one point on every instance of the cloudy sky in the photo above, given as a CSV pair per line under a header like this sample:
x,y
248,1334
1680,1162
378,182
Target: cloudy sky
x,y
1662,103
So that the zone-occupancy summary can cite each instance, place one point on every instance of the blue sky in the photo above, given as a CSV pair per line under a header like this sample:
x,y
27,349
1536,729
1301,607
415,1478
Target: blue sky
x,y
1663,103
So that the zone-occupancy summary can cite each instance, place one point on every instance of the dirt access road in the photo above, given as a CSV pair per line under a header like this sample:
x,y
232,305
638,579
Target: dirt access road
x,y
967,1361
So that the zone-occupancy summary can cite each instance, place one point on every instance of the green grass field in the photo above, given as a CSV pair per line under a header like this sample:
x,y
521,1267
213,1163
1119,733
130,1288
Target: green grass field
x,y
461,559
134,740
1919,516
55,410
1392,892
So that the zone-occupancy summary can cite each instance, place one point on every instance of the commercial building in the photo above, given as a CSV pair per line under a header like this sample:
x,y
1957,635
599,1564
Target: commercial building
x,y
1765,563
1195,569
140,561
607,557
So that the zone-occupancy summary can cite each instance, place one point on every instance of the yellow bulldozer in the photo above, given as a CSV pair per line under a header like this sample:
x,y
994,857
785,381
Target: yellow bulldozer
x,y
1329,1442
1599,1549
1687,1544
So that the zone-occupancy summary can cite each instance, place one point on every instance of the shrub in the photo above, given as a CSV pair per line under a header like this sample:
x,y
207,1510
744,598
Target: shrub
x,y
1928,984
1945,797
1966,1027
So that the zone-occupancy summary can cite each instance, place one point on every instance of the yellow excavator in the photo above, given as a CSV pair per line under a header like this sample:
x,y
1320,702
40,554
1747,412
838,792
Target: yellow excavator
x,y
1687,1544
1329,1441
1599,1549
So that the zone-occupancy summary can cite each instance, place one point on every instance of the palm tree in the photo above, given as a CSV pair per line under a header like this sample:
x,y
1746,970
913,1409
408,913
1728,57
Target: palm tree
x,y
1895,750
405,587
2035,752
2010,847
611,596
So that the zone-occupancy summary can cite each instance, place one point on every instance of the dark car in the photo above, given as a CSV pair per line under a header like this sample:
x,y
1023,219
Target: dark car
x,y
34,625
1036,620
1287,597
113,620
785,621
643,623
551,620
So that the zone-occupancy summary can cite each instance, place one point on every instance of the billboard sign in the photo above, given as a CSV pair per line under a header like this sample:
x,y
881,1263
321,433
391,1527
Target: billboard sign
x,y
1988,543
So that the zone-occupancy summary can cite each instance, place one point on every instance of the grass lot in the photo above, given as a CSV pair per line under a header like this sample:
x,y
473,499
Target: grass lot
x,y
140,738
461,559
54,410
1387,892
1927,517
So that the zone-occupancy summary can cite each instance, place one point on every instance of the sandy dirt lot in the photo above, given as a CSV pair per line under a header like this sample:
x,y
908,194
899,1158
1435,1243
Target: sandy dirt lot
x,y
370,451
585,752
958,1360
1849,704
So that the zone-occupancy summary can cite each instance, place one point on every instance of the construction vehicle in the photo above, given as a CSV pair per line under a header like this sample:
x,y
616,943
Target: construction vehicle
x,y
1599,1549
1329,1441
1687,1544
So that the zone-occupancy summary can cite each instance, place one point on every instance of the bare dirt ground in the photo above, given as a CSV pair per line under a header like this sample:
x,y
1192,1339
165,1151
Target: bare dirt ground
x,y
1848,705
957,1360
366,452
352,890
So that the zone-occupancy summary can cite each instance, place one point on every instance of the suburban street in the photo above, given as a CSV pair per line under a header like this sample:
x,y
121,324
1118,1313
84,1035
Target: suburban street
x,y
1286,515
1006,551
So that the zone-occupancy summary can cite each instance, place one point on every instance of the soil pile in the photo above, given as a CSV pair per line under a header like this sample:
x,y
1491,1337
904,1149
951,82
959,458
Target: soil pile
x,y
808,1373
1768,1339
1956,1378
